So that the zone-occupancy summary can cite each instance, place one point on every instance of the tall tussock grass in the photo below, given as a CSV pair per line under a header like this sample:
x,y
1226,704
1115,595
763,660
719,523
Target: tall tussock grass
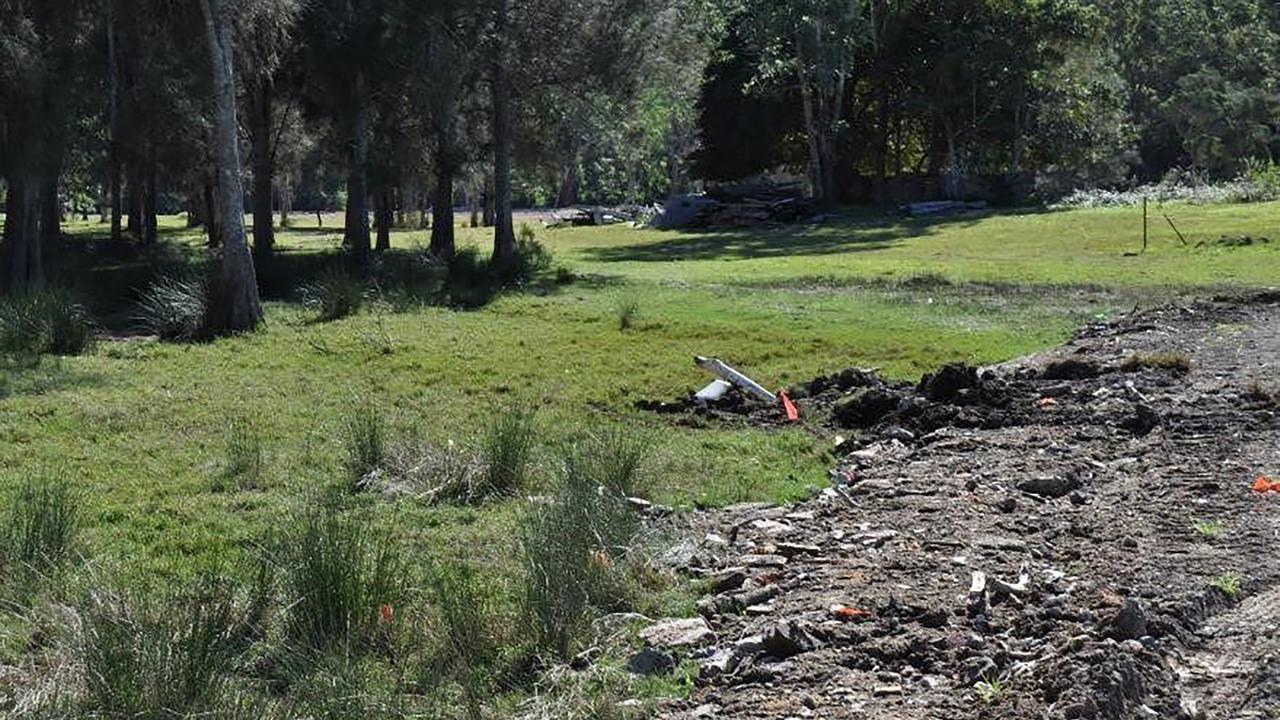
x,y
244,459
335,294
174,308
364,442
507,451
41,524
341,581
575,545
470,642
45,322
165,659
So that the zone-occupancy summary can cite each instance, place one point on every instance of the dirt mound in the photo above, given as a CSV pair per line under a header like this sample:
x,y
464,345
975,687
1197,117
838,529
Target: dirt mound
x,y
865,406
1070,535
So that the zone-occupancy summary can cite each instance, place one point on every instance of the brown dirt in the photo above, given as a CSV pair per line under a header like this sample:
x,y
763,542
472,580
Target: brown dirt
x,y
1060,472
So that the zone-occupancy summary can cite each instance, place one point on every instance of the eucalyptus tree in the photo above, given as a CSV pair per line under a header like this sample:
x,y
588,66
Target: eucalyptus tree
x,y
815,44
265,29
504,233
345,45
447,67
235,306
39,44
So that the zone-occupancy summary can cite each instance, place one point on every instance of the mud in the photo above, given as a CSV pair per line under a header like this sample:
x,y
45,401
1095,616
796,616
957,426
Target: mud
x,y
1071,486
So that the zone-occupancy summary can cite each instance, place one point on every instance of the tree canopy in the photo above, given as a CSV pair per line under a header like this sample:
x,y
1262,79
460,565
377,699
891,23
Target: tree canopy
x,y
399,108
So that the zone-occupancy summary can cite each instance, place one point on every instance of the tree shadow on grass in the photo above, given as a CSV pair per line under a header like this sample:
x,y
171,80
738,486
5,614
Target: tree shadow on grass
x,y
111,276
29,376
839,235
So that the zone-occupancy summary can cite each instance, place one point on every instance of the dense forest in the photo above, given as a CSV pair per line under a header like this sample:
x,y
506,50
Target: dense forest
x,y
403,109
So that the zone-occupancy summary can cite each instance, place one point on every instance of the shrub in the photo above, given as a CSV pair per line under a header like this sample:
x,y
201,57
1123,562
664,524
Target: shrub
x,y
174,309
335,294
532,259
244,459
338,578
527,234
573,545
48,321
158,661
508,446
42,524
410,280
470,284
364,442
1264,176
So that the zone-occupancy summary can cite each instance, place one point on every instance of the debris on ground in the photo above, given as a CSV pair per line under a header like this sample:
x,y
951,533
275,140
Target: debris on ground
x,y
943,207
1264,484
735,379
985,553
595,216
735,206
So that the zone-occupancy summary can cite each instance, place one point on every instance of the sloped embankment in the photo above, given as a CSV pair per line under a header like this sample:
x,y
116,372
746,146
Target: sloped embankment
x,y
1071,535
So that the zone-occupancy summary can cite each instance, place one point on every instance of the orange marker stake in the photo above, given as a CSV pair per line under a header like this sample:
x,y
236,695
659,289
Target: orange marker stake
x,y
793,413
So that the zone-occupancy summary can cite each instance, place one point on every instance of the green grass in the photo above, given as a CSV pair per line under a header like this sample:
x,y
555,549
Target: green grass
x,y
141,425
140,428
1228,584
991,688
1209,529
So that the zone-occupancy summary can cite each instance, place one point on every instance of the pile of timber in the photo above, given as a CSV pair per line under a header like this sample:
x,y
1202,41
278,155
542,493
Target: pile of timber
x,y
591,216
737,206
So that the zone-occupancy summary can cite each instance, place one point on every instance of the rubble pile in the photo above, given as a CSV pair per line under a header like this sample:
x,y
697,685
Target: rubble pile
x,y
1011,542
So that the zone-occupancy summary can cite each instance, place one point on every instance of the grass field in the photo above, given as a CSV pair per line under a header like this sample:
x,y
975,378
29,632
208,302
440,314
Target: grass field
x,y
141,427
142,424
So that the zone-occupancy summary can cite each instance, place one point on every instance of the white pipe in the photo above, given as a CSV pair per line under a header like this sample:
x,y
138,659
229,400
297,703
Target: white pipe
x,y
714,365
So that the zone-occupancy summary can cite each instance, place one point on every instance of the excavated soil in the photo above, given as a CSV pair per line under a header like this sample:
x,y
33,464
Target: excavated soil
x,y
1072,482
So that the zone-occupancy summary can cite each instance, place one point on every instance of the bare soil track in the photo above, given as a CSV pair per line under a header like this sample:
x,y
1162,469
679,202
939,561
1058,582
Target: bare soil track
x,y
1073,482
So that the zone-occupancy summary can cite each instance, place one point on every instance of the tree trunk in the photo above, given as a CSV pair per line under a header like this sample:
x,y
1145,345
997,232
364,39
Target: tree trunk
x,y
150,193
113,112
568,194
236,307
50,210
211,212
812,134
286,202
385,216
260,109
952,175
24,269
504,234
442,241
487,206
882,141
1019,141
356,232
136,201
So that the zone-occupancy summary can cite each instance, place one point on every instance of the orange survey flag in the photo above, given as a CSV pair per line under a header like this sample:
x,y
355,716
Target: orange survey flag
x,y
793,414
